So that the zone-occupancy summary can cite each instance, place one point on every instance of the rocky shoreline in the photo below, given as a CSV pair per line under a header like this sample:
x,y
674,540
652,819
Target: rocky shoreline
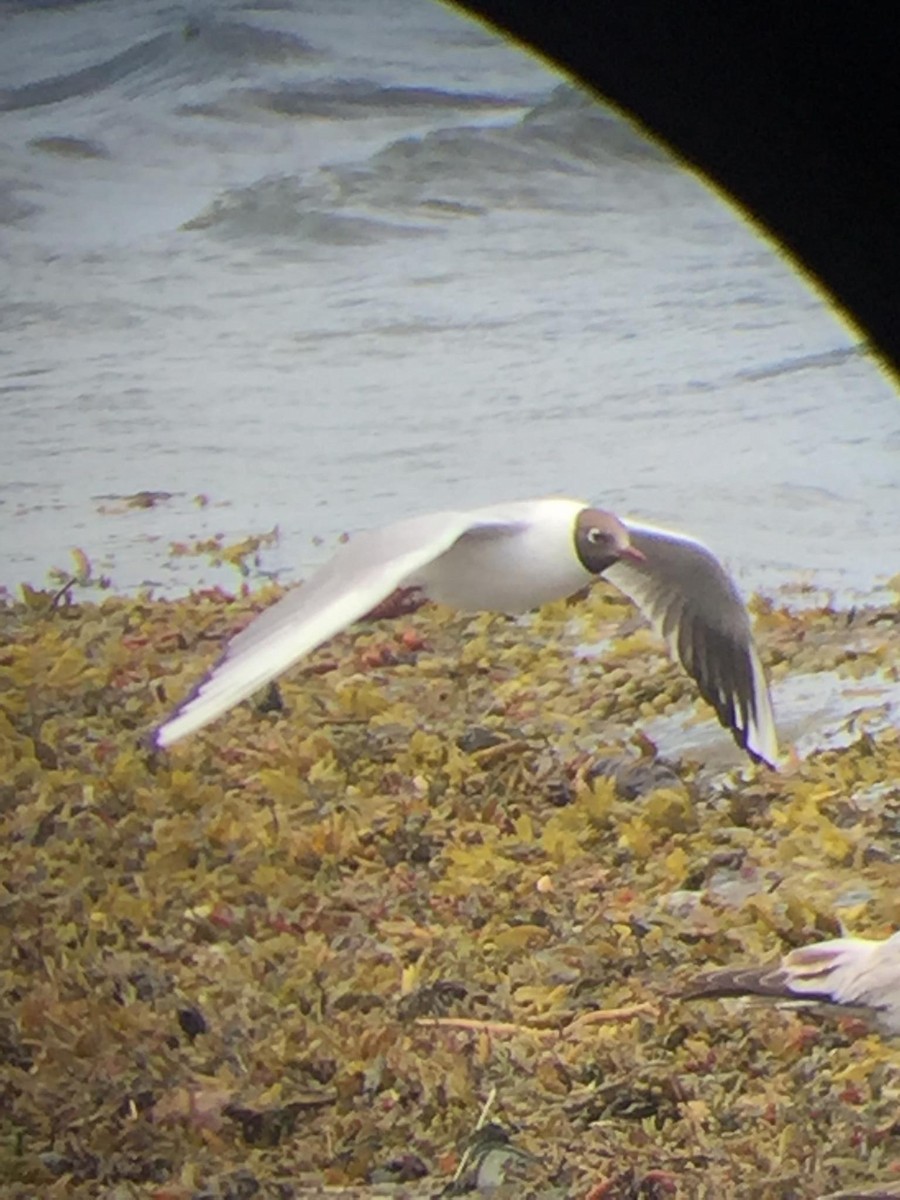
x,y
448,857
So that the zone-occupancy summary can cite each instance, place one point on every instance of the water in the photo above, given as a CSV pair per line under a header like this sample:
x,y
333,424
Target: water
x,y
329,264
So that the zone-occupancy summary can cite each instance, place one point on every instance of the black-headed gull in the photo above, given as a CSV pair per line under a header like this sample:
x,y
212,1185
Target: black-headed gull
x,y
511,558
847,970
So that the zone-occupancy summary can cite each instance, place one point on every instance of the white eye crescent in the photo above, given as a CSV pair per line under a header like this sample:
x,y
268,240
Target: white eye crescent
x,y
595,535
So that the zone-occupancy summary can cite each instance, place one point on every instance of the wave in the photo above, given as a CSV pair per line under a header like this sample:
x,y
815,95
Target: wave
x,y
285,208
91,79
241,42
341,98
66,146
572,122
12,207
551,158
197,51
805,362
15,7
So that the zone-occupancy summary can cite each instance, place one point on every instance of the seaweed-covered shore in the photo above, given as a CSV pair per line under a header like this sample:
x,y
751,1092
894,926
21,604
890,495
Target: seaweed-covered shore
x,y
296,954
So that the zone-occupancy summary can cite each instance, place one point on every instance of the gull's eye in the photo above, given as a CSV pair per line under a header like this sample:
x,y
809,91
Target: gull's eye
x,y
596,536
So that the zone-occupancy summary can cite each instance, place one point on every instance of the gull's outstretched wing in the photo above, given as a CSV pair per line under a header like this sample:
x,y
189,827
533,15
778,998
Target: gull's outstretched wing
x,y
690,599
363,573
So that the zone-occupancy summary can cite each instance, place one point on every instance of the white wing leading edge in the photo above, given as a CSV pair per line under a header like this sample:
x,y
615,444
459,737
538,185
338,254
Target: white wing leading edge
x,y
362,574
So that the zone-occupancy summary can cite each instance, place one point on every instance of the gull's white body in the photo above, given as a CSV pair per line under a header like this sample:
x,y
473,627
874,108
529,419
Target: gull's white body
x,y
495,572
506,558
848,970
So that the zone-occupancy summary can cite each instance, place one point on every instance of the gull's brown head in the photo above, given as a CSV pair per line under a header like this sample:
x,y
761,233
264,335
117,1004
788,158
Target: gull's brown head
x,y
601,540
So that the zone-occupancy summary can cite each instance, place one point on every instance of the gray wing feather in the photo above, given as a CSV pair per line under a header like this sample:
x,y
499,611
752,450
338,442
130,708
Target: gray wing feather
x,y
848,971
769,980
690,599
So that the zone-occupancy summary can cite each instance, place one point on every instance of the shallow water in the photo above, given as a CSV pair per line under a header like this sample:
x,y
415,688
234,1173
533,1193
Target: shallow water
x,y
815,712
327,265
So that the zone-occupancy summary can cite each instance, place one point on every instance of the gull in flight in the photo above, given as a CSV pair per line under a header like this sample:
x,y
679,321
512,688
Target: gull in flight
x,y
848,970
511,558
